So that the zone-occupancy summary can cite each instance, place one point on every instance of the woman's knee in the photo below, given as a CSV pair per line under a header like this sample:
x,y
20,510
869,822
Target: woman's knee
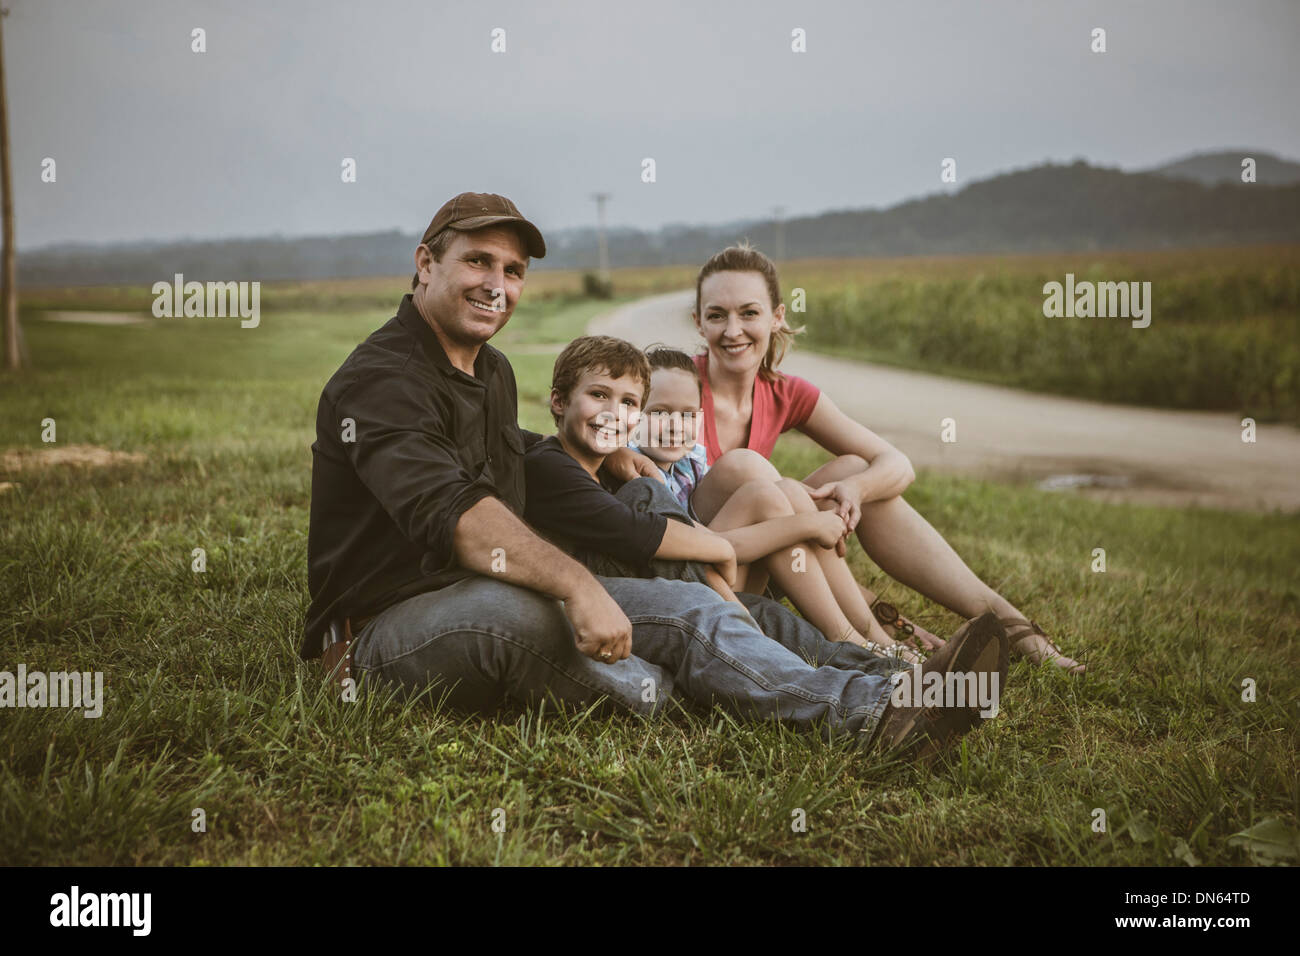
x,y
764,500
744,464
729,473
796,495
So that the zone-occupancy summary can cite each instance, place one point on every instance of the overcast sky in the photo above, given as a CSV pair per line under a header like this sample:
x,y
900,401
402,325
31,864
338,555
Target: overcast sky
x,y
153,141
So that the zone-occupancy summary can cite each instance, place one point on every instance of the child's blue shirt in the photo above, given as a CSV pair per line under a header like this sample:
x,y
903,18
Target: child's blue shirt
x,y
685,473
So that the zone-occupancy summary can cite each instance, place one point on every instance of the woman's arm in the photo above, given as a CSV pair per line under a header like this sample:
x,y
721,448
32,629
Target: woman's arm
x,y
888,472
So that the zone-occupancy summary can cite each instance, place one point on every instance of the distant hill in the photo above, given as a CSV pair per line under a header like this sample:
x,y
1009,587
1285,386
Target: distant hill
x,y
1042,209
1225,167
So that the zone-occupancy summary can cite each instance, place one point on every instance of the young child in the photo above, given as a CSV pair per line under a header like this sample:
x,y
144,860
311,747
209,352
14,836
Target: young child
x,y
771,541
598,387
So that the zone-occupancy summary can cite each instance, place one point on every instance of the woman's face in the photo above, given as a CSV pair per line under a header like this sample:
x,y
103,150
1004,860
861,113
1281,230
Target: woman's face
x,y
736,320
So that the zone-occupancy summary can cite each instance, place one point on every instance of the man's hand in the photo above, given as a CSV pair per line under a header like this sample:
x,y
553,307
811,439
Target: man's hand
x,y
601,629
624,464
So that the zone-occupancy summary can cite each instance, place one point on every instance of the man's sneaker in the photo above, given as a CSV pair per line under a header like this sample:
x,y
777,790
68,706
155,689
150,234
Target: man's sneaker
x,y
980,646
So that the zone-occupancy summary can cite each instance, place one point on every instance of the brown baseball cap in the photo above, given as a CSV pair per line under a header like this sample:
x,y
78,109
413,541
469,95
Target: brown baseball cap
x,y
479,210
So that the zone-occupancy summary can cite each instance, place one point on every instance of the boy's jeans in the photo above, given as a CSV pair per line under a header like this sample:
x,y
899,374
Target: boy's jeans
x,y
482,641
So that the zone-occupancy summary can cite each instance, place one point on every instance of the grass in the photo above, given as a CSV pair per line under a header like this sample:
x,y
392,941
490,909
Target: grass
x,y
1224,333
207,705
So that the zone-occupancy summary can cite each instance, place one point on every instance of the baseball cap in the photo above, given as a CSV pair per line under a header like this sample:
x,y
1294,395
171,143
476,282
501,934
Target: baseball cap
x,y
479,210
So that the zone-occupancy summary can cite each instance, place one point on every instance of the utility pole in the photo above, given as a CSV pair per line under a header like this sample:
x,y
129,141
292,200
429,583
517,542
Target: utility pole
x,y
8,286
778,225
602,261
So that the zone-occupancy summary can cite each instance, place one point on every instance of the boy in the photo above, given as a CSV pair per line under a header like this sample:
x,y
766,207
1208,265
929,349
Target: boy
x,y
599,387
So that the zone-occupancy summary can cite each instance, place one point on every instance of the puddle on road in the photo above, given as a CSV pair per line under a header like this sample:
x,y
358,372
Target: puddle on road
x,y
1066,482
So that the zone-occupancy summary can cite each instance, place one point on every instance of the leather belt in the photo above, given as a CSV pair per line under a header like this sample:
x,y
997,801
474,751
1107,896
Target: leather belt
x,y
336,658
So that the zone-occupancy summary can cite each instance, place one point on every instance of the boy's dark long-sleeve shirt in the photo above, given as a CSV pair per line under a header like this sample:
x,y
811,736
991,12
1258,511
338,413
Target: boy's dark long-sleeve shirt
x,y
406,443
567,505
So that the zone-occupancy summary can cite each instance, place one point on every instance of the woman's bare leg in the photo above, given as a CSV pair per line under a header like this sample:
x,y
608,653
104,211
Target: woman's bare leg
x,y
723,479
912,552
923,639
836,570
909,550
742,466
759,501
725,476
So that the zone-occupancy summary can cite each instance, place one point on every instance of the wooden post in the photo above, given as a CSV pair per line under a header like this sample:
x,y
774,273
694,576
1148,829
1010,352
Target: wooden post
x,y
8,273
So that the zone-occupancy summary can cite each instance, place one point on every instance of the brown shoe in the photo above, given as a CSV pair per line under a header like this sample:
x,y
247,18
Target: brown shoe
x,y
994,658
980,646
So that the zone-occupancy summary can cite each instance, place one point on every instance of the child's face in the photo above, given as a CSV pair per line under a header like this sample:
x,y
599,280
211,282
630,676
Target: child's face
x,y
671,415
599,413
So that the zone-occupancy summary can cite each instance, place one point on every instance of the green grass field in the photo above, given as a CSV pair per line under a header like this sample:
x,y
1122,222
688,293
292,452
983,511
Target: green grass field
x,y
207,705
1224,332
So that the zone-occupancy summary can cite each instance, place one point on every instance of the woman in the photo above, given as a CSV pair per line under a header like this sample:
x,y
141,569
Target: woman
x,y
747,403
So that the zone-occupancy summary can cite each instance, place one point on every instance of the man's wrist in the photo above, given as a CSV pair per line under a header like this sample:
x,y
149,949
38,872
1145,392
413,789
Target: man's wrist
x,y
575,581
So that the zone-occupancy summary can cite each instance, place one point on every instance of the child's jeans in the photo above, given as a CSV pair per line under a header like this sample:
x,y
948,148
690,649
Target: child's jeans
x,y
647,495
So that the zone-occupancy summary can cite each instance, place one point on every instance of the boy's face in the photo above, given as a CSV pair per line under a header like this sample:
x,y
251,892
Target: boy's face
x,y
671,415
596,417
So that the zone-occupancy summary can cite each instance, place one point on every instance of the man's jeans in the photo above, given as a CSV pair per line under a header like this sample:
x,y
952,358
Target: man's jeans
x,y
483,641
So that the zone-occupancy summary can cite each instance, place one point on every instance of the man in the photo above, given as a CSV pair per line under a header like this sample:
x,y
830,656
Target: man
x,y
417,553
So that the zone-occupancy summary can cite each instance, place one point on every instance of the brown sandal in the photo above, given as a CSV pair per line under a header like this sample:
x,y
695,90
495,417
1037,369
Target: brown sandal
x,y
1019,631
889,618
897,651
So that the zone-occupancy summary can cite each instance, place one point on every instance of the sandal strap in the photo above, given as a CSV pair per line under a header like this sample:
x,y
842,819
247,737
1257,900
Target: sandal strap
x,y
1027,629
1020,624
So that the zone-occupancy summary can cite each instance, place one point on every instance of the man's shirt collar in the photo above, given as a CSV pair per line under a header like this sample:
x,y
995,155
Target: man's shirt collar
x,y
413,322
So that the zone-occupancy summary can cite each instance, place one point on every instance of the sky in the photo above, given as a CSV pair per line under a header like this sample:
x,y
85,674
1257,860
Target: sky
x,y
153,141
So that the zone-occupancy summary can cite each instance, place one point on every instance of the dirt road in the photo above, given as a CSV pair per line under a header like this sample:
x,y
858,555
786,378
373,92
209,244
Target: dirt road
x,y
1114,452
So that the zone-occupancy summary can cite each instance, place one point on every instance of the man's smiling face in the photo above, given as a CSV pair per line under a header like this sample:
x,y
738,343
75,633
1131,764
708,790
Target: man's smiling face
x,y
470,295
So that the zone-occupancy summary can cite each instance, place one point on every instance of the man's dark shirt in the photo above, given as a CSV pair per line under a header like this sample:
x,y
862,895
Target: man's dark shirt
x,y
567,505
430,442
